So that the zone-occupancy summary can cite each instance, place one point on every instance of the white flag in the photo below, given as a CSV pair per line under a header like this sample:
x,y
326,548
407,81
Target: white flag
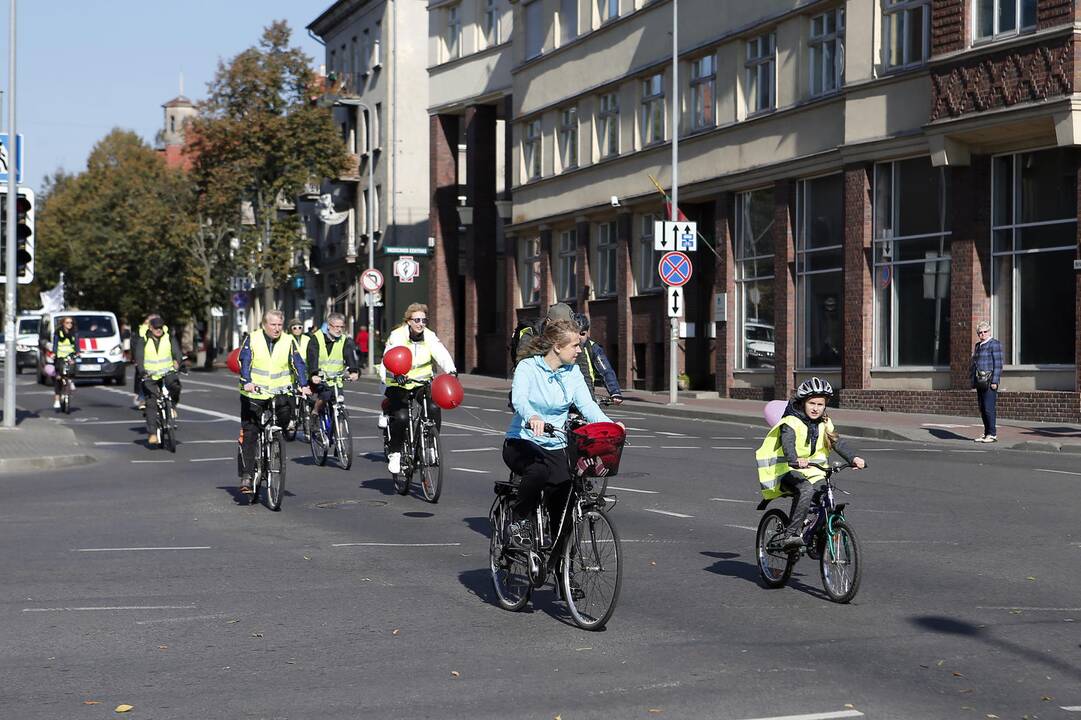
x,y
53,300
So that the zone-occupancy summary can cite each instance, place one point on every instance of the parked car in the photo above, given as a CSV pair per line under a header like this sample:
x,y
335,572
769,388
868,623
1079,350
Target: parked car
x,y
101,354
758,341
26,342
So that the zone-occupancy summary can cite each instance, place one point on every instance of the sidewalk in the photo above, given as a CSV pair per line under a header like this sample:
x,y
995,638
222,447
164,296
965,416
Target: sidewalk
x,y
38,443
944,429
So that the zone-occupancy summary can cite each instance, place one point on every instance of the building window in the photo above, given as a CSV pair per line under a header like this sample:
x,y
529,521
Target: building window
x,y
703,92
531,150
566,282
912,264
364,51
652,120
568,138
648,259
365,132
819,276
530,271
1034,240
453,39
1003,17
607,10
354,63
826,46
608,124
535,29
378,126
906,29
377,209
754,278
761,69
568,21
490,23
605,260
377,42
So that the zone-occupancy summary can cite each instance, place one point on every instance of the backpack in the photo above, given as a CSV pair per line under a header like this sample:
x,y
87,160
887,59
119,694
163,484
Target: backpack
x,y
523,331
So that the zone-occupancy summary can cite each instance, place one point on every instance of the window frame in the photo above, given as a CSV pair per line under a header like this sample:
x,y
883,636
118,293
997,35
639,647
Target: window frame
x,y
532,255
996,33
567,266
537,8
532,136
803,254
698,82
607,10
647,277
452,37
605,254
754,65
903,9
568,134
817,45
653,99
564,36
608,124
376,50
742,278
489,26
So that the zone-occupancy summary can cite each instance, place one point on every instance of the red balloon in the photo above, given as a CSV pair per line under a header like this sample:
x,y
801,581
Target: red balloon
x,y
233,361
447,392
398,360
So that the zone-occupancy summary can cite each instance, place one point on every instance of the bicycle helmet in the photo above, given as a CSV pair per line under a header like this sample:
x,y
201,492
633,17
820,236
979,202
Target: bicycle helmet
x,y
814,387
581,321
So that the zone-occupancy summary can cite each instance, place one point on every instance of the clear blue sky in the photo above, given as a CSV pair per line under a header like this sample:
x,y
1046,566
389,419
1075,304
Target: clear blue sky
x,y
87,66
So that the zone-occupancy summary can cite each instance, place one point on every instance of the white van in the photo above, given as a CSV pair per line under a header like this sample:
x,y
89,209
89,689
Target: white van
x,y
101,354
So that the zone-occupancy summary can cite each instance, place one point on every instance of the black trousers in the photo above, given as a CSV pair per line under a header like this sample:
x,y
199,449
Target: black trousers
x,y
171,381
251,410
801,503
541,470
399,414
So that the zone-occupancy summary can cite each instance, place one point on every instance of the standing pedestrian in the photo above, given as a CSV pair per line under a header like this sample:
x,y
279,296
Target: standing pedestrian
x,y
362,345
986,374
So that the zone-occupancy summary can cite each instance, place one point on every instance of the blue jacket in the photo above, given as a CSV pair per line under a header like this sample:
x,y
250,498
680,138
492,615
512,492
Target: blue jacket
x,y
601,366
548,394
987,356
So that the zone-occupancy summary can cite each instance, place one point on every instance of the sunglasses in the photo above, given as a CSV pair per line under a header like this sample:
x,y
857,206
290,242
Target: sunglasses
x,y
296,327
419,321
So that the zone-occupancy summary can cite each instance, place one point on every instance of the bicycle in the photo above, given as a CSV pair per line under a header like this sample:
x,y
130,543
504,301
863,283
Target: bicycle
x,y
299,419
583,554
269,471
65,368
165,413
827,537
332,428
421,449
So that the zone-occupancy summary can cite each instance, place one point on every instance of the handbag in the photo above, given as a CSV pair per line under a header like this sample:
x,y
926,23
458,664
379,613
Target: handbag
x,y
983,379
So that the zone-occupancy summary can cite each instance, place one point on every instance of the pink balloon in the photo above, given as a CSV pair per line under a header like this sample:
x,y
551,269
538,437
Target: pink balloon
x,y
773,411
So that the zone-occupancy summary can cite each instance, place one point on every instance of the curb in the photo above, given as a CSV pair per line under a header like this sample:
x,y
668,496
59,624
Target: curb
x,y
55,462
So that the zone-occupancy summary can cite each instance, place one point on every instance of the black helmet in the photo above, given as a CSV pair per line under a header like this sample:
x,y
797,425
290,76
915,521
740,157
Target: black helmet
x,y
581,321
814,387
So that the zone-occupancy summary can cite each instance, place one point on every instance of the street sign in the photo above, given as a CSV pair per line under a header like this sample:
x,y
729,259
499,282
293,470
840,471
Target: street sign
x,y
675,302
674,268
371,280
5,157
406,269
240,283
240,300
399,250
681,236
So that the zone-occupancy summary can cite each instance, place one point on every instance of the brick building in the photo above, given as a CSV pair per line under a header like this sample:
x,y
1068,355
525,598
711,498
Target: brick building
x,y
874,178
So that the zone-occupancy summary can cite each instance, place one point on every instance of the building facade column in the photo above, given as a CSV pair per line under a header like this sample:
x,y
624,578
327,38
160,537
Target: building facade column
x,y
481,328
724,283
443,224
784,290
969,191
547,288
624,339
581,264
511,294
857,314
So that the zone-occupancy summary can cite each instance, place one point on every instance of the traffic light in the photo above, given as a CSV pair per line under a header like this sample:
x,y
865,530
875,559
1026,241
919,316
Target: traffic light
x,y
24,235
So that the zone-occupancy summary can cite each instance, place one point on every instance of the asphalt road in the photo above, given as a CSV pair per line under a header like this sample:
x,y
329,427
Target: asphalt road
x,y
142,580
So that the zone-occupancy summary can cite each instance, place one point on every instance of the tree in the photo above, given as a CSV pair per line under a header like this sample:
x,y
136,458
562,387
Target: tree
x,y
119,231
257,141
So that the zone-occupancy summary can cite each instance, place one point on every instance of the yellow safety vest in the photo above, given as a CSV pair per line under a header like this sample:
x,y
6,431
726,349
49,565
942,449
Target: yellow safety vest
x,y
772,465
65,346
270,371
302,344
158,361
332,363
422,358
589,363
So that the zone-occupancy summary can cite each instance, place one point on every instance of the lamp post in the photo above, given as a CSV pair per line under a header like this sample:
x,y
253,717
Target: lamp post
x,y
369,211
11,288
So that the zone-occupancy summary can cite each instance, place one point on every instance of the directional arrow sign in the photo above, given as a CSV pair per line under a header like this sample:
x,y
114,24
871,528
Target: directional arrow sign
x,y
675,302
662,241
683,236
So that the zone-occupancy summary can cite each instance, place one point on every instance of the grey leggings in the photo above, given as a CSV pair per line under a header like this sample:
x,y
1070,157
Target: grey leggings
x,y
801,503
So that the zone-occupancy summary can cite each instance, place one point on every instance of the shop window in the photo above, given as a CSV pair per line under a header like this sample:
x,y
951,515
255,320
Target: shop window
x,y
754,278
819,272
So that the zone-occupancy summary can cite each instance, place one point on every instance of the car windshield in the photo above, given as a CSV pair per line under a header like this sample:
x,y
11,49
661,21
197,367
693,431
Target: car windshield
x,y
760,333
94,326
29,326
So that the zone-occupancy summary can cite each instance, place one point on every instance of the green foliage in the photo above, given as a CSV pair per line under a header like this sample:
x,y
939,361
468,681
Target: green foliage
x,y
258,138
119,232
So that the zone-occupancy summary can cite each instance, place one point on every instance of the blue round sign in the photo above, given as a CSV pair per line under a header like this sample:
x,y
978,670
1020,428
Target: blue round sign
x,y
240,300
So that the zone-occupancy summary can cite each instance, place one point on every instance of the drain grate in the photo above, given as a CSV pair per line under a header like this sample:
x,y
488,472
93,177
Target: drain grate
x,y
334,504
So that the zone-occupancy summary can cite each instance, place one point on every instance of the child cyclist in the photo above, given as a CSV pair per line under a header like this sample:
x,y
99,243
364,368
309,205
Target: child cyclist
x,y
804,437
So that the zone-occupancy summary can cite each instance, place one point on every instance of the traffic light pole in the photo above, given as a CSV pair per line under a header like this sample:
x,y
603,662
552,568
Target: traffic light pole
x,y
11,288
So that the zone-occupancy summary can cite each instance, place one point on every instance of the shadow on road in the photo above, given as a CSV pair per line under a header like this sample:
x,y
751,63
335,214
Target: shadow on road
x,y
375,457
244,498
947,434
479,525
732,568
479,582
418,514
385,486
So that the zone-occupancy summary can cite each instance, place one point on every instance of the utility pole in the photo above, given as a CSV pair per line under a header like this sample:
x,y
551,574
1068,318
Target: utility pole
x,y
12,287
673,342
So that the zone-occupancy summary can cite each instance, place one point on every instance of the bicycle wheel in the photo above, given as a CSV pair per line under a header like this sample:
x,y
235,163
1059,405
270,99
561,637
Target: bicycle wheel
x,y
168,428
259,474
290,430
344,439
592,572
318,440
509,567
774,566
275,482
840,563
431,466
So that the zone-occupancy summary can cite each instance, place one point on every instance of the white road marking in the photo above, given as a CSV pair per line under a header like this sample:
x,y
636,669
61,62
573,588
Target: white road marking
x,y
208,442
211,459
483,449
153,461
139,549
471,407
186,408
626,489
816,716
911,542
628,427
728,438
111,607
1071,708
750,502
133,421
1029,609
471,470
730,447
495,410
971,451
668,512
680,447
182,619
386,544
675,434
1059,472
742,527
102,443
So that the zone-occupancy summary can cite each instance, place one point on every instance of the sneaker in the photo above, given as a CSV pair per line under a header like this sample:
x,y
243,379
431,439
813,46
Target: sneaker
x,y
792,541
175,414
990,438
56,404
520,533
394,463
981,438
142,405
245,484
152,439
